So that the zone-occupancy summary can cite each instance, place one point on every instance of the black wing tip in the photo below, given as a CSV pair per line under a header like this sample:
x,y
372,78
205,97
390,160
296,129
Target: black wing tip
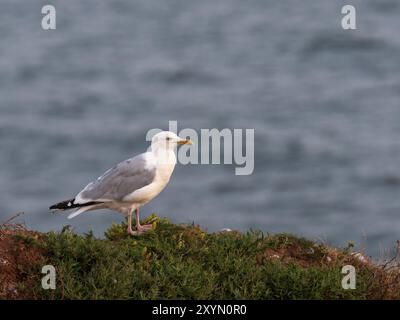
x,y
70,204
63,205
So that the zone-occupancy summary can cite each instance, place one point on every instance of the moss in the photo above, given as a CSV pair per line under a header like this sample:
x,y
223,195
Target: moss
x,y
184,262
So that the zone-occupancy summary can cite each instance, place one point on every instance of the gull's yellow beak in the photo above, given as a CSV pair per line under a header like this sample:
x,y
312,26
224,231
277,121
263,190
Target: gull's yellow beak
x,y
185,141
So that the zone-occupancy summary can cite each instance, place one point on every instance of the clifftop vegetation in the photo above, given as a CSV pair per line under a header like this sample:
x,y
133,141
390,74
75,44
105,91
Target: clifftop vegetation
x,y
184,262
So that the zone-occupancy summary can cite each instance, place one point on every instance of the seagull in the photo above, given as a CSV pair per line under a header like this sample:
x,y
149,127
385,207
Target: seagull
x,y
130,184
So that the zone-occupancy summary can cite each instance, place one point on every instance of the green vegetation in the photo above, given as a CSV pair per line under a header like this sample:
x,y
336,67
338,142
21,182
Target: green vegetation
x,y
184,262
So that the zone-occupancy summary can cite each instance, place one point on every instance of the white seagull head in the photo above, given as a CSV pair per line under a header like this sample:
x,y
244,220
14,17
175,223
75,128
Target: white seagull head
x,y
167,141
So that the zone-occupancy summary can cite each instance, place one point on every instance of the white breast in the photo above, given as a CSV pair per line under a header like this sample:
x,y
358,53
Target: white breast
x,y
164,171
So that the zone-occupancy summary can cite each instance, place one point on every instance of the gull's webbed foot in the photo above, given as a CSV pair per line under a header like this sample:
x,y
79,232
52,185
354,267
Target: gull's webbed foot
x,y
144,228
140,229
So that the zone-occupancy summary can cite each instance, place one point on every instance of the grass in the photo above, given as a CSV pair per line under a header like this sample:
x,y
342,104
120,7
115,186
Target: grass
x,y
184,262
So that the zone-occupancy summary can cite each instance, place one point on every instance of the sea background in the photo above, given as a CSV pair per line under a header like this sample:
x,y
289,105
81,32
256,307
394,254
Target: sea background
x,y
324,103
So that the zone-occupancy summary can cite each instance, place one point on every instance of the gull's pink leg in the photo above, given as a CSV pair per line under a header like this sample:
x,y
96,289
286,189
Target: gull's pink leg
x,y
130,231
142,228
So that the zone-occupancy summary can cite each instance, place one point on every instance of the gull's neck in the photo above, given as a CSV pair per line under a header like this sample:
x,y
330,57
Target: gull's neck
x,y
164,156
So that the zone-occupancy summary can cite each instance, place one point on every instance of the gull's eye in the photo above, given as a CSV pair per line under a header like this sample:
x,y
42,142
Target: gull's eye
x,y
168,138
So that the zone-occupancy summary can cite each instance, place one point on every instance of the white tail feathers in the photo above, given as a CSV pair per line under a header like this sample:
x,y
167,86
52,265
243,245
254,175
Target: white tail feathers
x,y
81,210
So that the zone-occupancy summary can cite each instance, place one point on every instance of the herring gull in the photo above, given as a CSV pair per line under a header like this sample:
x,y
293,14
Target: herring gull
x,y
130,184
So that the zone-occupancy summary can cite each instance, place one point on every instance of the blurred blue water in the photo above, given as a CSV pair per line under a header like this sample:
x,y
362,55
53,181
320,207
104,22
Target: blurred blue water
x,y
324,104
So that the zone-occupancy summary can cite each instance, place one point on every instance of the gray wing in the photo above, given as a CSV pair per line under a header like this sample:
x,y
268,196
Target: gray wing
x,y
119,181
